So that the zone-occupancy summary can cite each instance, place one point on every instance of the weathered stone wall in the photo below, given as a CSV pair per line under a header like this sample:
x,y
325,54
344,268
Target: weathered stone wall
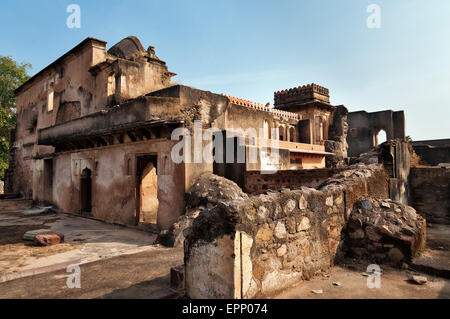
x,y
430,193
364,127
282,237
433,152
337,134
395,155
255,182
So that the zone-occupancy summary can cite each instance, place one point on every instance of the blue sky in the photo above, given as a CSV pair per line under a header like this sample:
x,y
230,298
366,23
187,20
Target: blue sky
x,y
252,48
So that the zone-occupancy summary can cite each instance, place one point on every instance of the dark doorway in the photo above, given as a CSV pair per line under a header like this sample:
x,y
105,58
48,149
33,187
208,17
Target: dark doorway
x,y
304,129
147,180
86,191
48,180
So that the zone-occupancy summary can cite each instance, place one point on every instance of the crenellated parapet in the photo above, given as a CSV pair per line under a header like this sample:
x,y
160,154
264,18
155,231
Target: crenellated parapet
x,y
262,107
302,94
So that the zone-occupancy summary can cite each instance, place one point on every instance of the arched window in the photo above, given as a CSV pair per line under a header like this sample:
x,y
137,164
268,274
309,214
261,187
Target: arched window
x,y
50,97
380,137
292,137
266,130
281,132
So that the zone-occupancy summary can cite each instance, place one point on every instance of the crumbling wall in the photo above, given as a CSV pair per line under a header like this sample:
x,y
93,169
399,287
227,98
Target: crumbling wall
x,y
433,152
430,193
282,237
384,231
256,182
337,138
364,127
395,155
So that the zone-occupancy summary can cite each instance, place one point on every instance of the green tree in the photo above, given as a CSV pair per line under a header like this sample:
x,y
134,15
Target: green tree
x,y
409,139
12,75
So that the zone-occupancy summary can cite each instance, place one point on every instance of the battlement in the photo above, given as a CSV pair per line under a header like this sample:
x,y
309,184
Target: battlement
x,y
262,107
302,94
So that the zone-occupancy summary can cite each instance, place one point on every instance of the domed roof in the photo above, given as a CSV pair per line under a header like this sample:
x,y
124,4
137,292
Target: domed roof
x,y
127,48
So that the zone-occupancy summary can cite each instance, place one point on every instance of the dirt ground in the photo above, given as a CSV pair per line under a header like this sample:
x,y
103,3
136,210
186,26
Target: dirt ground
x,y
115,261
395,284
139,275
85,240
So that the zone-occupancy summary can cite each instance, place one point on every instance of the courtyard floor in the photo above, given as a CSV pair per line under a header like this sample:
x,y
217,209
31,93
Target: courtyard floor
x,y
352,282
85,240
119,262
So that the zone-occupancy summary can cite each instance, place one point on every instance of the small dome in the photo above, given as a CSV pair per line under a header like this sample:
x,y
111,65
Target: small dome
x,y
127,48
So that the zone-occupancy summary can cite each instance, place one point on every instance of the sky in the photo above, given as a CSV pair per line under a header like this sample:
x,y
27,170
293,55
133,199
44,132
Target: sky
x,y
251,49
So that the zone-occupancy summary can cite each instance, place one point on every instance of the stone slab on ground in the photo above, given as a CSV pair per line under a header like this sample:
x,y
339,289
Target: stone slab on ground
x,y
38,211
30,235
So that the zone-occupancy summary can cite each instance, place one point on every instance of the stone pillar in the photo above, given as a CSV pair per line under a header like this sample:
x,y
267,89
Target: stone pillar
x,y
220,269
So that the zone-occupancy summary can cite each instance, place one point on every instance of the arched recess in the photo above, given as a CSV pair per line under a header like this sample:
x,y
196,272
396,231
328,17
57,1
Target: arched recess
x,y
292,135
281,133
318,130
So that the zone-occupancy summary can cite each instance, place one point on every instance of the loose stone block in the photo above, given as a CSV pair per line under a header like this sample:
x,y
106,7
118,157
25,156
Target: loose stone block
x,y
48,239
29,235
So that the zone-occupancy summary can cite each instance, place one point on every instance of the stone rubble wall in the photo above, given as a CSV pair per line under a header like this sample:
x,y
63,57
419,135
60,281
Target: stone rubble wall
x,y
384,231
275,239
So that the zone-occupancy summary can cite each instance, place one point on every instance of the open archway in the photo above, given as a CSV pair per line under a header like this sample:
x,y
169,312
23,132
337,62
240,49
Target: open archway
x,y
380,137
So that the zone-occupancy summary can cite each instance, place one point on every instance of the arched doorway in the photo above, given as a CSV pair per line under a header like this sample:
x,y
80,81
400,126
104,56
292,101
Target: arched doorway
x,y
86,191
148,189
